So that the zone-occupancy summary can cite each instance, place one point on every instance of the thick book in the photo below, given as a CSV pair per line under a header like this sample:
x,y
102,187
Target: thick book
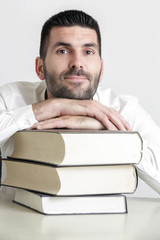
x,y
47,204
78,180
70,147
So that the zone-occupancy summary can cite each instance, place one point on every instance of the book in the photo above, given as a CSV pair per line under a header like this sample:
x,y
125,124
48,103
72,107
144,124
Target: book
x,y
70,147
79,180
47,204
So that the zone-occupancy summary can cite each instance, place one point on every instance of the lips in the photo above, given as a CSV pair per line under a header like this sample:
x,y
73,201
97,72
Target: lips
x,y
76,78
76,75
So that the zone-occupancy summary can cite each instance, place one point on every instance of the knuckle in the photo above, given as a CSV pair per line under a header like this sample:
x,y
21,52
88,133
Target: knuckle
x,y
112,111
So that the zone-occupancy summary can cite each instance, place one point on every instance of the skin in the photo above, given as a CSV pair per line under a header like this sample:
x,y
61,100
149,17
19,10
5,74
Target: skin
x,y
73,48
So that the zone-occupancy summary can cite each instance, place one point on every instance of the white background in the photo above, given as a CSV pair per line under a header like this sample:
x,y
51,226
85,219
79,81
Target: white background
x,y
130,45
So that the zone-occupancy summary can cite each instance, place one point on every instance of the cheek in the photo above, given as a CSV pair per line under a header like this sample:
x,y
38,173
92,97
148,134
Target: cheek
x,y
55,64
94,66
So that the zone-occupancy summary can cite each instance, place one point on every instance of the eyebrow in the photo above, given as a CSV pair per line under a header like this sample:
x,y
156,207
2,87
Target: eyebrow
x,y
65,44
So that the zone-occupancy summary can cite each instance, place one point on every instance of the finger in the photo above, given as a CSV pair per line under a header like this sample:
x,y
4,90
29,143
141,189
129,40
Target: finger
x,y
101,113
125,123
107,123
110,120
118,120
104,114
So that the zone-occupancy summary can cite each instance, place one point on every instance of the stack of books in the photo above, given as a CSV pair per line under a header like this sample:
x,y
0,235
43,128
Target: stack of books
x,y
73,172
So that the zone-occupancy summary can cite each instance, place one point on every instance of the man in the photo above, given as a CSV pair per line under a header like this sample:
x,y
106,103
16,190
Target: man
x,y
70,67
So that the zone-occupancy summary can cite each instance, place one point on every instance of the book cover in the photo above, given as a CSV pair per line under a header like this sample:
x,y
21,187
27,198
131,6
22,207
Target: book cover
x,y
54,205
69,147
81,180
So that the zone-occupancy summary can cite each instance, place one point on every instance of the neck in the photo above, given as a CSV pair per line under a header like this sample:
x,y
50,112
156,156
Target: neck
x,y
48,95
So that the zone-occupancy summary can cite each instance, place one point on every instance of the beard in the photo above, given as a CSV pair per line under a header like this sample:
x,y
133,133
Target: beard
x,y
59,88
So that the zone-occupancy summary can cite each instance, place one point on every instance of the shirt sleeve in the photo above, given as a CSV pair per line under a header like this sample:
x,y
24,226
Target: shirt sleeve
x,y
13,120
149,167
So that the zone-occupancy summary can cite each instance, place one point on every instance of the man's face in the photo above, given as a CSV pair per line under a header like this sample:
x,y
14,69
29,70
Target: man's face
x,y
72,66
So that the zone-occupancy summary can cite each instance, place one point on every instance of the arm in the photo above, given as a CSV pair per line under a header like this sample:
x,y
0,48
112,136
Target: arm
x,y
16,110
71,122
14,120
48,114
14,115
149,167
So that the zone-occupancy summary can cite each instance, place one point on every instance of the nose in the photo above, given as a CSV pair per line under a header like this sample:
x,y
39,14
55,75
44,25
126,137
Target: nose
x,y
76,61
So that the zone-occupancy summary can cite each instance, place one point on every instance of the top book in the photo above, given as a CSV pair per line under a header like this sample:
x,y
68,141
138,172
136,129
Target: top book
x,y
77,147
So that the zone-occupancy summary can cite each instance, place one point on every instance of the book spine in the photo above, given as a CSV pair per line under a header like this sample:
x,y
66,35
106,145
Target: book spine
x,y
136,172
126,204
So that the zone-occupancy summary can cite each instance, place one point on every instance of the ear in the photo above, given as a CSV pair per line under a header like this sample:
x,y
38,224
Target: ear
x,y
39,68
102,69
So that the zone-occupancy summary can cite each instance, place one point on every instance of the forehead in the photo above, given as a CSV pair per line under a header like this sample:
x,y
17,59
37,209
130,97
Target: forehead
x,y
73,35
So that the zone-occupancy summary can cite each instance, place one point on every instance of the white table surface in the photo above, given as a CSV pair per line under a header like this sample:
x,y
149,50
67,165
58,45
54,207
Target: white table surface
x,y
141,222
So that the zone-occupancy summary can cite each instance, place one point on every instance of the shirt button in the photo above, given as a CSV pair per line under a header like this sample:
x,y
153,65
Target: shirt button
x,y
28,122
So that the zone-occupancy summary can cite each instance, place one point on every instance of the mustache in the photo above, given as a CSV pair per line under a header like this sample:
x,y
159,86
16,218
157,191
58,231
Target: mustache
x,y
77,72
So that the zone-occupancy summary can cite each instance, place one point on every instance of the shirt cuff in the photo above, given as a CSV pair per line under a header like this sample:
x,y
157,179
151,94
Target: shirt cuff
x,y
24,117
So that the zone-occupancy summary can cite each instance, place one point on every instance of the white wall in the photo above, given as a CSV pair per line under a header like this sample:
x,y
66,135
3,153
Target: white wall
x,y
131,45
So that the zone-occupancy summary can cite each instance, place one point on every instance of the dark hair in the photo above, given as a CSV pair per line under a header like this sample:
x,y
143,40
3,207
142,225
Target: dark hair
x,y
67,19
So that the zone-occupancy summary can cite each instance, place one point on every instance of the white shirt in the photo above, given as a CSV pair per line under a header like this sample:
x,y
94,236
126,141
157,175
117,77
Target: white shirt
x,y
16,113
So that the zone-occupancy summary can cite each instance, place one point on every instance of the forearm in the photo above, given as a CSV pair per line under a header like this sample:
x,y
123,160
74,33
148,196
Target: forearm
x,y
53,108
46,110
70,122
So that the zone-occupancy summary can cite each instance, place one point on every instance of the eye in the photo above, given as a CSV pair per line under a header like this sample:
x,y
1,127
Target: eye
x,y
62,51
89,52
